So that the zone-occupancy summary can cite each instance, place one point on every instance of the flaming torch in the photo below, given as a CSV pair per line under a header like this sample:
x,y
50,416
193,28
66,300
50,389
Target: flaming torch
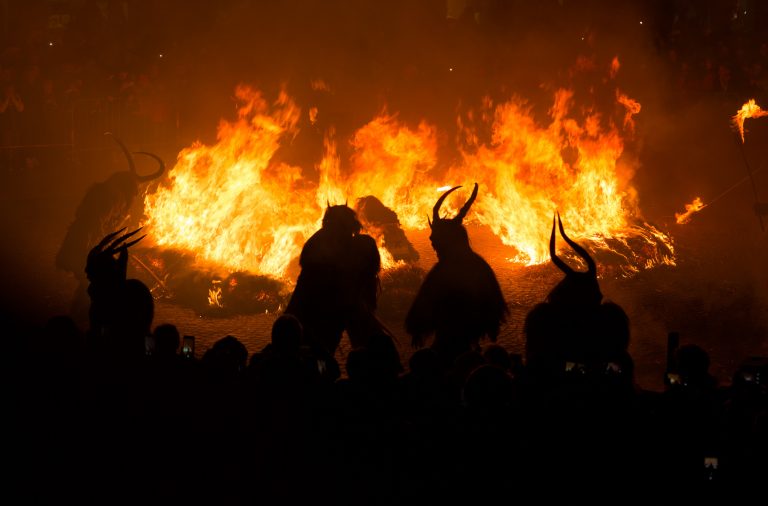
x,y
690,209
749,110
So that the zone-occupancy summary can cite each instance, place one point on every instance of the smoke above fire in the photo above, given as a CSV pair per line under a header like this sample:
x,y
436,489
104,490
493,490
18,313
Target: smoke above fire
x,y
240,205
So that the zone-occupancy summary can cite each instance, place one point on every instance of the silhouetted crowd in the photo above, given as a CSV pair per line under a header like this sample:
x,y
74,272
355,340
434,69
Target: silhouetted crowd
x,y
126,413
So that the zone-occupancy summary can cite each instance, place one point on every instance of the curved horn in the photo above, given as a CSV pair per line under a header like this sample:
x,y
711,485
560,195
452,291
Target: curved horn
x,y
107,238
555,259
327,203
591,267
128,156
465,209
157,174
436,209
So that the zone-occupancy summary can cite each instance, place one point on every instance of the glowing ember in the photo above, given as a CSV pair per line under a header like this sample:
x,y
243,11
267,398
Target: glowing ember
x,y
750,109
615,66
237,208
214,295
632,106
690,209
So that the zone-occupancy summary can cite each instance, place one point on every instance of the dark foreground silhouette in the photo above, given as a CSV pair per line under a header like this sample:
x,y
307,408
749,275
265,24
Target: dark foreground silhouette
x,y
118,415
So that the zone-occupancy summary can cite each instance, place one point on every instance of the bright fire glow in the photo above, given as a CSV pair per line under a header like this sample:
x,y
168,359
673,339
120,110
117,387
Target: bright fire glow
x,y
690,209
750,109
528,171
228,204
237,208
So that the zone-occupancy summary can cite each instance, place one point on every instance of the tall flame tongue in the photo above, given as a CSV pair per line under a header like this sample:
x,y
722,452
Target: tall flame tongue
x,y
228,204
750,109
235,207
529,171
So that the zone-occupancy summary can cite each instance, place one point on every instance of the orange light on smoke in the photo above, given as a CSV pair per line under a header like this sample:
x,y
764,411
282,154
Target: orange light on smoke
x,y
690,209
750,109
615,66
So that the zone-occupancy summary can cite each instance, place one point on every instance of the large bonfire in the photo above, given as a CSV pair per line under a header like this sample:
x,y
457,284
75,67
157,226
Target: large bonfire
x,y
235,206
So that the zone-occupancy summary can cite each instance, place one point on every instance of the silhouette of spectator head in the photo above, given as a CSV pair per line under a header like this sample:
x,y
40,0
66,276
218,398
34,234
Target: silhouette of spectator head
x,y
577,289
139,307
497,355
612,332
226,359
620,372
358,365
449,236
693,365
464,365
60,336
341,220
488,389
132,321
377,362
287,335
167,340
425,363
543,339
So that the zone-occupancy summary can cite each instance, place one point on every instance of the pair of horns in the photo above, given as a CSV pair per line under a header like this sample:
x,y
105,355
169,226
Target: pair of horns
x,y
328,202
132,165
591,267
120,243
462,213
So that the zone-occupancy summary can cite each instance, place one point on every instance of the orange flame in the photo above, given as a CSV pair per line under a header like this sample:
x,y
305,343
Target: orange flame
x,y
214,297
224,201
528,171
393,162
632,106
690,209
236,208
615,66
750,109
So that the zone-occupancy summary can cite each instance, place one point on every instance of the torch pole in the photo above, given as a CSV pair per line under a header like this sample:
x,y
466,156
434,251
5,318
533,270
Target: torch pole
x,y
751,179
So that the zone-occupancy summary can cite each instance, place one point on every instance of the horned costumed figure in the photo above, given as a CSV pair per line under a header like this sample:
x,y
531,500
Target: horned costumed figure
x,y
574,325
104,208
338,285
577,288
121,309
460,300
